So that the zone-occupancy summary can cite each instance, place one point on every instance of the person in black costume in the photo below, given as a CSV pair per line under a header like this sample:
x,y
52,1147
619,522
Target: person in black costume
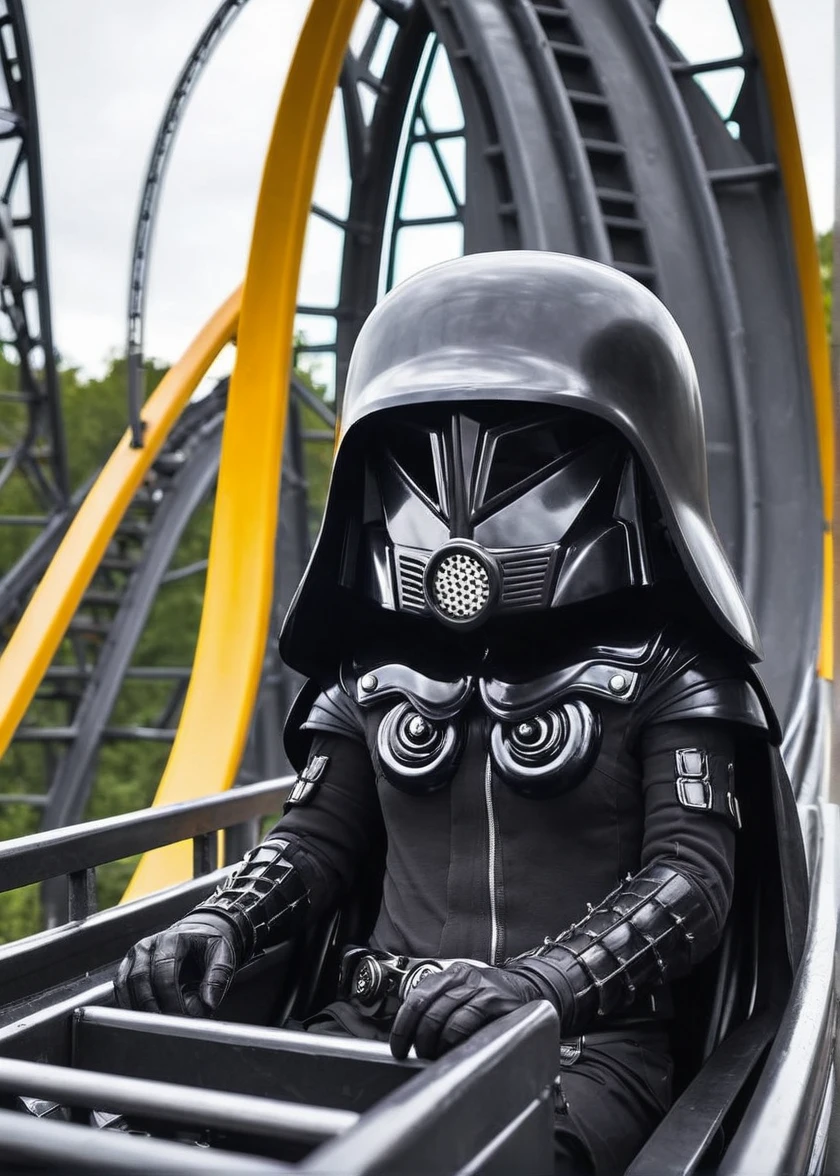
x,y
530,702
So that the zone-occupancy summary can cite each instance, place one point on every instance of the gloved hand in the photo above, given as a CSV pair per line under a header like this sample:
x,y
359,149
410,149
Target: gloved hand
x,y
185,970
447,1007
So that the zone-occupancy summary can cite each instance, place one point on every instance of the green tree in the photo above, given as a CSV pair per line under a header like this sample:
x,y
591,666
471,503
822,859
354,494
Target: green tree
x,y
127,773
94,419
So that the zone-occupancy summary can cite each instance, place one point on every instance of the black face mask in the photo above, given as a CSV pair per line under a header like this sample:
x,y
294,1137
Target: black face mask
x,y
493,510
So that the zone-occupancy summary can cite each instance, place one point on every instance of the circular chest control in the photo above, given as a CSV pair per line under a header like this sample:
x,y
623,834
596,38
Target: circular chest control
x,y
549,753
415,754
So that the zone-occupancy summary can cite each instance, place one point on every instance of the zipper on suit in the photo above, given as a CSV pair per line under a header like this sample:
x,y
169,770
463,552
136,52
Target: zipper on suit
x,y
493,850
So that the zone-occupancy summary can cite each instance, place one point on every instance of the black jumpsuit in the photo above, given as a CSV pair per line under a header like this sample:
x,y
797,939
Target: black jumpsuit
x,y
476,869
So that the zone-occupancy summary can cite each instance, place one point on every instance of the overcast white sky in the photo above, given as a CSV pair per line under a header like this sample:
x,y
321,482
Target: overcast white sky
x,y
104,70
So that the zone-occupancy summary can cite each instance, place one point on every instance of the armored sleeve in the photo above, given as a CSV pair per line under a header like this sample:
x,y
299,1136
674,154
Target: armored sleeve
x,y
332,821
309,861
659,923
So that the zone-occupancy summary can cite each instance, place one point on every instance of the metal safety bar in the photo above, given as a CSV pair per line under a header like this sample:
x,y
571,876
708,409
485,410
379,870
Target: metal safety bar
x,y
486,1107
344,1073
70,1147
41,967
187,1105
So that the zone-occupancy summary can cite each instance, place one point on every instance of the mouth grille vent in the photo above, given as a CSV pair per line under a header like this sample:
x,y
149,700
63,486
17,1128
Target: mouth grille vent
x,y
525,579
461,586
411,570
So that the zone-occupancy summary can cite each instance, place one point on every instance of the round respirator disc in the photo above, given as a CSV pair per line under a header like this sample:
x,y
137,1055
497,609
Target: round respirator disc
x,y
461,584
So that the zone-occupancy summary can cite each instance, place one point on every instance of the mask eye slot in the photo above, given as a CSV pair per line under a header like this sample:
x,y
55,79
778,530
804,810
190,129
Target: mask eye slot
x,y
515,456
415,453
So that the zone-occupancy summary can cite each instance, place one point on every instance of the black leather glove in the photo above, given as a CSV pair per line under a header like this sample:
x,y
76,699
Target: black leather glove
x,y
447,1007
188,968
185,970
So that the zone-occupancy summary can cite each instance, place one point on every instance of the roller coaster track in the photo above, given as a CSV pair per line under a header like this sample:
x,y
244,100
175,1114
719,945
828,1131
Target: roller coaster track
x,y
586,132
110,619
217,26
582,128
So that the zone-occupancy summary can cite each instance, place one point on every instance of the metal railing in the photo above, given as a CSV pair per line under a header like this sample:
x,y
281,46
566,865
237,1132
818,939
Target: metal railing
x,y
75,851
486,1107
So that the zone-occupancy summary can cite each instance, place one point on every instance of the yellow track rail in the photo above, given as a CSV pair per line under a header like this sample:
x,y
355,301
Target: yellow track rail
x,y
240,576
43,625
768,47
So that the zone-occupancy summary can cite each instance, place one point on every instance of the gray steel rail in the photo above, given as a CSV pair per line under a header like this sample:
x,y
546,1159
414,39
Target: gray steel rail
x,y
25,573
786,599
593,237
171,1103
74,954
34,450
45,969
76,848
779,1128
43,394
216,27
701,291
70,1147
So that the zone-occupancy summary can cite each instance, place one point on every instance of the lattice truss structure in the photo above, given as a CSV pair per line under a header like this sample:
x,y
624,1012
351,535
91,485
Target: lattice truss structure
x,y
34,486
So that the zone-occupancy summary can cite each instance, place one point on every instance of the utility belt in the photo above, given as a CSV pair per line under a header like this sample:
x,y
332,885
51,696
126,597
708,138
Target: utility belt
x,y
379,982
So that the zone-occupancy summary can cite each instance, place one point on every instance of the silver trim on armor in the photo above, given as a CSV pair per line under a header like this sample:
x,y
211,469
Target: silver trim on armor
x,y
734,809
694,783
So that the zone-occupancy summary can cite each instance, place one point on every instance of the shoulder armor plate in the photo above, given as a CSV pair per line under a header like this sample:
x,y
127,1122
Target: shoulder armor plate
x,y
610,671
517,700
330,711
692,684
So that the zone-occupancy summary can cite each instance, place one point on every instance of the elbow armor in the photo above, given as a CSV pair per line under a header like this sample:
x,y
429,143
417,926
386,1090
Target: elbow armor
x,y
264,899
653,928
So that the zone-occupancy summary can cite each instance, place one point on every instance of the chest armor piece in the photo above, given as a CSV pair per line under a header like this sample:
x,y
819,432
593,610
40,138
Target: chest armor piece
x,y
549,753
539,757
545,735
417,754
